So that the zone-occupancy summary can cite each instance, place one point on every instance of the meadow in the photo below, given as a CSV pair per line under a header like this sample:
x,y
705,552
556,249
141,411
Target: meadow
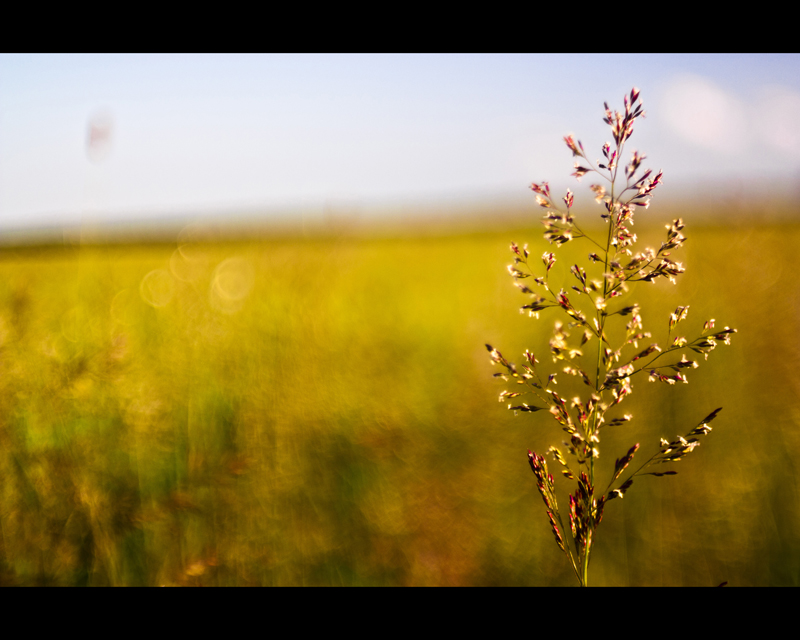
x,y
320,410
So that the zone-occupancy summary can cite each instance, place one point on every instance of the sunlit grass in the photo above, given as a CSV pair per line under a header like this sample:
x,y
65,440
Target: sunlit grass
x,y
319,411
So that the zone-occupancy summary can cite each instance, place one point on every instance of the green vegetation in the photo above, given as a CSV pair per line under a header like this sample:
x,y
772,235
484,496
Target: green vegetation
x,y
319,412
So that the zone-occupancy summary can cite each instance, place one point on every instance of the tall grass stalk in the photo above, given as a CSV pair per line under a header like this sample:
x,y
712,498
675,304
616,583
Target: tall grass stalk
x,y
585,344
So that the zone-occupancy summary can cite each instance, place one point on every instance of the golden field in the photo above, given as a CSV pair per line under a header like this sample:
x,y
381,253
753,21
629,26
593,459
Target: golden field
x,y
321,411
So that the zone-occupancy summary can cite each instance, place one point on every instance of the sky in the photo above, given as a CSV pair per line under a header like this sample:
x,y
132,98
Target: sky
x,y
183,135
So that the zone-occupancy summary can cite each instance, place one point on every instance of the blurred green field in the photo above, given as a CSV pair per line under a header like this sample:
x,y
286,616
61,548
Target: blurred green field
x,y
321,411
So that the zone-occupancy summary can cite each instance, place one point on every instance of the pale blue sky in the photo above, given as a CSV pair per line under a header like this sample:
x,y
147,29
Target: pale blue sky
x,y
197,134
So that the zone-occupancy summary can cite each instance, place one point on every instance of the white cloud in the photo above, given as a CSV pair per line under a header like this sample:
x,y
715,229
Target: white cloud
x,y
704,114
778,119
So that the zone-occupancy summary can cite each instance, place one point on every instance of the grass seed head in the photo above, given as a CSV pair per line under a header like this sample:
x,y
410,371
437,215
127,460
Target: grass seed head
x,y
605,282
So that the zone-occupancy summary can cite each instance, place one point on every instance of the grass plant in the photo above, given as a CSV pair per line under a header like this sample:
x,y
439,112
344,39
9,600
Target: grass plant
x,y
598,343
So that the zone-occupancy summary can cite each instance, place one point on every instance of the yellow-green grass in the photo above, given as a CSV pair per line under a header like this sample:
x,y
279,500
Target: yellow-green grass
x,y
321,411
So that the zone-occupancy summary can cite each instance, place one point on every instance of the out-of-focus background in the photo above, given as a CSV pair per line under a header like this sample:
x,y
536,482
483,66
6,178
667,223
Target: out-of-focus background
x,y
244,301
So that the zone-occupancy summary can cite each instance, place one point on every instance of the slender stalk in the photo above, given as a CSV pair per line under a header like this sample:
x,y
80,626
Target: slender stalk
x,y
582,420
